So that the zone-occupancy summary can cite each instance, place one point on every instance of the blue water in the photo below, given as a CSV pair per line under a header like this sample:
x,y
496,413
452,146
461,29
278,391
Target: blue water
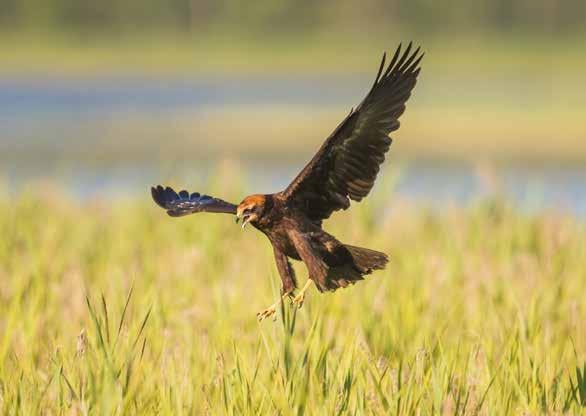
x,y
58,97
439,186
29,106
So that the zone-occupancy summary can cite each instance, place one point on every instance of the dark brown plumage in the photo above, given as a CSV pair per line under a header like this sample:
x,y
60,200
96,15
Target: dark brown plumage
x,y
344,169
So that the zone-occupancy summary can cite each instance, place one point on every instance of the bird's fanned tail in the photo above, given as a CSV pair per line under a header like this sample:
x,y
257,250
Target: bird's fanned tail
x,y
368,260
364,262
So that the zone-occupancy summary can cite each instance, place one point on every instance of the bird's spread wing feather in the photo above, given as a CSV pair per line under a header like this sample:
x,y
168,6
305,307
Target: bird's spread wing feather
x,y
346,165
184,203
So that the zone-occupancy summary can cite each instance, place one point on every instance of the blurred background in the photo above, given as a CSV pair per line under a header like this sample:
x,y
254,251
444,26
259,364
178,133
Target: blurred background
x,y
106,98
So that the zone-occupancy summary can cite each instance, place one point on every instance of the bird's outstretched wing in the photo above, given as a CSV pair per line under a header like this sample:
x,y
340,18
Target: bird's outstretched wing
x,y
184,203
346,165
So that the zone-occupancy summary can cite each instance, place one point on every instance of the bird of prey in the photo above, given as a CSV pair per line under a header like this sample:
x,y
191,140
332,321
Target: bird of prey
x,y
343,169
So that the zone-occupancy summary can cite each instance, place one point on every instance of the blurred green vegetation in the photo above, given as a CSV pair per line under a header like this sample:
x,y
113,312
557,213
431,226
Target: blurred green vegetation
x,y
473,57
288,17
231,36
111,307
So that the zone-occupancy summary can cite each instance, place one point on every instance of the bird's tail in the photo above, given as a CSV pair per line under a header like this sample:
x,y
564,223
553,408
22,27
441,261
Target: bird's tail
x,y
368,260
364,261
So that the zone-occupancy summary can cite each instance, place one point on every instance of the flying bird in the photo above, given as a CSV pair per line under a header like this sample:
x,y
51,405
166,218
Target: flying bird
x,y
343,169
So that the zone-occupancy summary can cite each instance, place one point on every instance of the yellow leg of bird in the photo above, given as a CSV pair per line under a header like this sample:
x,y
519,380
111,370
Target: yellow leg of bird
x,y
272,310
300,298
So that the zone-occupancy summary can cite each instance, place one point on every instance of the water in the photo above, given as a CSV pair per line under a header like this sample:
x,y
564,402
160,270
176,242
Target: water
x,y
435,185
56,98
30,106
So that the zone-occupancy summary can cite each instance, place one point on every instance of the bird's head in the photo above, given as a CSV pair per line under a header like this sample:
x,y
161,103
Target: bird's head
x,y
250,209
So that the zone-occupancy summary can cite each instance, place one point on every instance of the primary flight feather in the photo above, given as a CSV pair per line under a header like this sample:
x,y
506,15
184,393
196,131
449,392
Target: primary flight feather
x,y
343,169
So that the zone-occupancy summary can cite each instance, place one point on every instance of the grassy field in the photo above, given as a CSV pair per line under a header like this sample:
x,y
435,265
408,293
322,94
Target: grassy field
x,y
227,54
111,307
469,132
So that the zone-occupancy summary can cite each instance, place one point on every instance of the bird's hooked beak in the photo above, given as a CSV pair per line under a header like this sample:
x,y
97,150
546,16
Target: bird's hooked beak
x,y
244,217
248,209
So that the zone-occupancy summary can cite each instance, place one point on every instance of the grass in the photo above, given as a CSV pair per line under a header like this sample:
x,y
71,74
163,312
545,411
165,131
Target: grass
x,y
232,54
469,133
473,132
111,307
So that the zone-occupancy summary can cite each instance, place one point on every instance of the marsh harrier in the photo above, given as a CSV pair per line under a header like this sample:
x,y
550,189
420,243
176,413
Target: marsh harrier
x,y
343,169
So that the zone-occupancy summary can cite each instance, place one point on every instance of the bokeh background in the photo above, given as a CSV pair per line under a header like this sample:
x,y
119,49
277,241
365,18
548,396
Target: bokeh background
x,y
107,306
106,98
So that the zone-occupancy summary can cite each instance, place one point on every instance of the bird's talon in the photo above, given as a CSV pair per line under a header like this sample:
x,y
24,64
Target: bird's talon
x,y
298,300
266,313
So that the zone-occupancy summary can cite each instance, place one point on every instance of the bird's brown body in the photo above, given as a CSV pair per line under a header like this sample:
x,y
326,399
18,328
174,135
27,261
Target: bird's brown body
x,y
293,235
343,169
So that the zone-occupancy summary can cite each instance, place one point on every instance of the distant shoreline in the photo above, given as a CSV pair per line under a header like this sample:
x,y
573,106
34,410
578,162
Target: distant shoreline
x,y
182,56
